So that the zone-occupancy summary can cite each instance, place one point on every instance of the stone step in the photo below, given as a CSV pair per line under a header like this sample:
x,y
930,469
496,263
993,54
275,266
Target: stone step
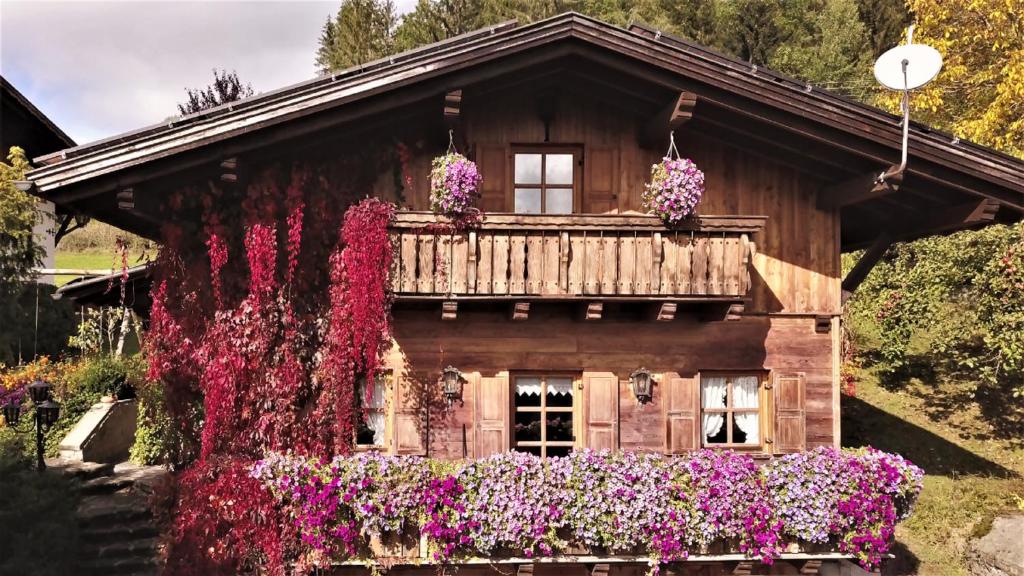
x,y
106,485
77,469
100,533
145,548
117,566
106,509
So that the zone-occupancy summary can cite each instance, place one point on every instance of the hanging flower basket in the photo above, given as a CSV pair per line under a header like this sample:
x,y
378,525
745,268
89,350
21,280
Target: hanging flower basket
x,y
454,185
675,190
676,187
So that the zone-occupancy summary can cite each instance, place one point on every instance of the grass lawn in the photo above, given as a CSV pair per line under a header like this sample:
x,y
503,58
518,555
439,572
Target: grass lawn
x,y
90,260
972,472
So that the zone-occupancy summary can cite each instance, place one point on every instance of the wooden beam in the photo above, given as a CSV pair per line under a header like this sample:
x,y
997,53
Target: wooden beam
x,y
449,310
593,310
858,189
520,310
958,217
672,117
452,107
599,569
909,225
229,170
126,199
665,311
720,311
863,266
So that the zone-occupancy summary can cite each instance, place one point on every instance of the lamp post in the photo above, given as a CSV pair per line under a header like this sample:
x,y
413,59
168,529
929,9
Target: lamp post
x,y
47,412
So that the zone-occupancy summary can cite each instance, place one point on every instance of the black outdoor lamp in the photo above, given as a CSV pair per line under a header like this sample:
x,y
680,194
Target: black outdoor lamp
x,y
641,381
47,412
12,412
39,391
451,384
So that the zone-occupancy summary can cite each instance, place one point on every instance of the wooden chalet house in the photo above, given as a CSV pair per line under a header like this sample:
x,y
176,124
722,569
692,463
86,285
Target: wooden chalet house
x,y
566,287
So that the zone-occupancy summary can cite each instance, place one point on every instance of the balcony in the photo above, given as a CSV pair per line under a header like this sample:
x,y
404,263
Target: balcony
x,y
574,257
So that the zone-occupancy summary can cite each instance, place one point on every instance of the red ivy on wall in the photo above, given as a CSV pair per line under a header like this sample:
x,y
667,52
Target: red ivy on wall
x,y
259,334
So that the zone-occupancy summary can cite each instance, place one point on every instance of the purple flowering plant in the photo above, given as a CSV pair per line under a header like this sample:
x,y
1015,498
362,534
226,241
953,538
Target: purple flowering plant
x,y
454,184
617,502
675,190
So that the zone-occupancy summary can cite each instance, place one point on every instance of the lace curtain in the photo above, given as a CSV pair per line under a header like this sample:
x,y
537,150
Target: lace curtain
x,y
744,395
713,396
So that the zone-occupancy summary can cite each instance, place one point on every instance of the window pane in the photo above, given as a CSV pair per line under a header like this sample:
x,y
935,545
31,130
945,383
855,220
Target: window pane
x,y
370,431
559,393
744,392
528,168
746,429
558,451
527,391
527,426
560,426
558,169
714,429
527,201
713,392
559,201
376,398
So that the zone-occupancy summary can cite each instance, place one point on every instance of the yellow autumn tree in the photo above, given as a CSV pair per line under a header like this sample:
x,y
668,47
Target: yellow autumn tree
x,y
979,95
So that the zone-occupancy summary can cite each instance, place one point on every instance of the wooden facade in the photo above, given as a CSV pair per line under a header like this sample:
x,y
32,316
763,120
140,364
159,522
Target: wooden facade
x,y
749,287
546,316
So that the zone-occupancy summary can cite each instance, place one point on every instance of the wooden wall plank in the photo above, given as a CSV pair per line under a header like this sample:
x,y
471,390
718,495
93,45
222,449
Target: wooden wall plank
x,y
485,262
425,249
534,263
500,269
517,264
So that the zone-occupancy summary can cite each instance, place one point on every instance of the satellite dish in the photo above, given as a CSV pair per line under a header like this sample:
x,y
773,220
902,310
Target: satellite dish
x,y
904,68
919,62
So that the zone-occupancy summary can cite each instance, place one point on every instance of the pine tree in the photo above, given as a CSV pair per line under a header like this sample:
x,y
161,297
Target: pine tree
x,y
363,30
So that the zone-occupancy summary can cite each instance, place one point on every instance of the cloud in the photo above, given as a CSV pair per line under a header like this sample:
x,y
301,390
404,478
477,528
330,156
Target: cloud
x,y
102,68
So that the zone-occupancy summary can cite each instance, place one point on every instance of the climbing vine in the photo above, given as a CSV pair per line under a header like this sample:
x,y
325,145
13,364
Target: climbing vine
x,y
264,315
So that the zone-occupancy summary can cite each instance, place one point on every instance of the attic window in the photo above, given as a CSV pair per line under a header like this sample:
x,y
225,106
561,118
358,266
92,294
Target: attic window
x,y
544,180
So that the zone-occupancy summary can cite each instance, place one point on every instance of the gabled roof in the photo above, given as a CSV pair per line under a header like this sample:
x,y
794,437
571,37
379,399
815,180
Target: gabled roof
x,y
45,136
811,116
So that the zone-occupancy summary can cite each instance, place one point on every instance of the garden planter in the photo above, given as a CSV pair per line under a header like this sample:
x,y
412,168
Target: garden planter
x,y
396,545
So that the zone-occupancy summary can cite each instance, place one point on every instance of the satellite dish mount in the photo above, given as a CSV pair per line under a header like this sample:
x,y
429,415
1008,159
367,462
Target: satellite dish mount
x,y
904,68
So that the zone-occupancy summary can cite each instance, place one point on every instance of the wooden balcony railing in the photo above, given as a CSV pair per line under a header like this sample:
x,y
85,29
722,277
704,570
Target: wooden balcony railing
x,y
579,256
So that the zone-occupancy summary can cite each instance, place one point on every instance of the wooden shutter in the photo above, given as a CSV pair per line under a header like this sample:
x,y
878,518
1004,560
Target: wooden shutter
x,y
790,416
601,409
602,168
682,413
492,161
409,422
492,416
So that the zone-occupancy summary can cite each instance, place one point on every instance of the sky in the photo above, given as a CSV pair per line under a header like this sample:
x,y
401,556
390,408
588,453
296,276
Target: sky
x,y
97,69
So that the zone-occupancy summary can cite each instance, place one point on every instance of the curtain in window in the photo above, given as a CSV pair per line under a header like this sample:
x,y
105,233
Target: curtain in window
x,y
375,422
560,386
713,396
744,395
528,386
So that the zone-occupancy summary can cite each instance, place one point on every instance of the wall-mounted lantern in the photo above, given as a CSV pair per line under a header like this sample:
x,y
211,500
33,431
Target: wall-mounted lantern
x,y
451,385
642,382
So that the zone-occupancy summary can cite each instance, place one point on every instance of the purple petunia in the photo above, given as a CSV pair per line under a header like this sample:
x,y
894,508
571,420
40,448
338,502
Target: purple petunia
x,y
620,502
454,185
674,191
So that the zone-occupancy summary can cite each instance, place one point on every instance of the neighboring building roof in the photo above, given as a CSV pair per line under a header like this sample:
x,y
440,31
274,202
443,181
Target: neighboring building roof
x,y
106,290
25,126
781,112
